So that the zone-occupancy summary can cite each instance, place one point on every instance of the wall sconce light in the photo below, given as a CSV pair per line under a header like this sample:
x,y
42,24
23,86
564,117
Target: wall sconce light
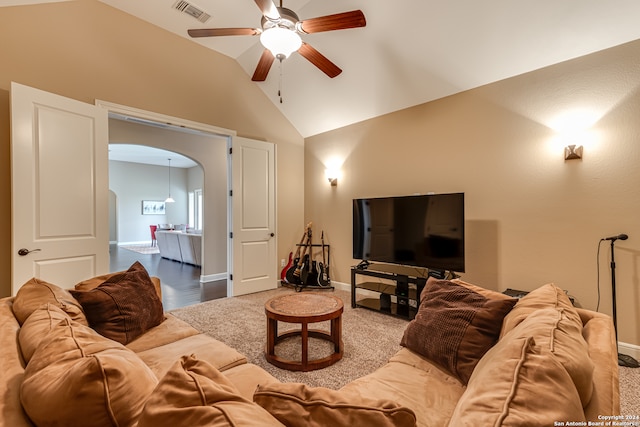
x,y
332,176
572,152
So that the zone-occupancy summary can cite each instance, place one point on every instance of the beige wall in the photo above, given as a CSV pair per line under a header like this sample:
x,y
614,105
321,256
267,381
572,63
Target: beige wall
x,y
531,217
87,50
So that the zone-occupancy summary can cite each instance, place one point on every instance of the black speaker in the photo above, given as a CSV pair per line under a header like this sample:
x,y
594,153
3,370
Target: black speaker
x,y
403,306
402,286
385,302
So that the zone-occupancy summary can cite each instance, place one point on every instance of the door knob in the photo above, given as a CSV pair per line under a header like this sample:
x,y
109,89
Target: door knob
x,y
25,251
272,234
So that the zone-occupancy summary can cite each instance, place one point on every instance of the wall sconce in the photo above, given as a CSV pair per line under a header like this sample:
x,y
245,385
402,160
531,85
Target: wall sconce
x,y
572,152
332,176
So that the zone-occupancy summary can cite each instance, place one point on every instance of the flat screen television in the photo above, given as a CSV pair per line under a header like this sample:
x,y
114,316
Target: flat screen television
x,y
423,231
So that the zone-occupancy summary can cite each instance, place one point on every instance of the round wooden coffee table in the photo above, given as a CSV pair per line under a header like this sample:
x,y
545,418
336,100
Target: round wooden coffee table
x,y
304,308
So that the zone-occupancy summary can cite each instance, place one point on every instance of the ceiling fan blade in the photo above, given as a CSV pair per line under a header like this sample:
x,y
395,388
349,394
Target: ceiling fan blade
x,y
268,9
263,67
319,60
213,32
339,21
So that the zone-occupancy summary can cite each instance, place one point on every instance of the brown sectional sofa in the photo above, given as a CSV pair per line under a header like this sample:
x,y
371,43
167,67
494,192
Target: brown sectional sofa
x,y
532,376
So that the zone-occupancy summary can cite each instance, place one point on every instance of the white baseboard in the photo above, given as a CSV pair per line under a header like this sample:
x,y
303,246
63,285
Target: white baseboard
x,y
213,277
341,286
143,242
629,349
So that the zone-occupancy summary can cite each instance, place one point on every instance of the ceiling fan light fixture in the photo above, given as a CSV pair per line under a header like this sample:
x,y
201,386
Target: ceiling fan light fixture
x,y
282,42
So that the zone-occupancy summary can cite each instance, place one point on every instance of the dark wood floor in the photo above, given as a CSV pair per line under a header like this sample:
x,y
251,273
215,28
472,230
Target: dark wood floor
x,y
180,282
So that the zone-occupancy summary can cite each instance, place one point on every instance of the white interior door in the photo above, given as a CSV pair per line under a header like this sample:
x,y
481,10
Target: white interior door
x,y
253,257
59,159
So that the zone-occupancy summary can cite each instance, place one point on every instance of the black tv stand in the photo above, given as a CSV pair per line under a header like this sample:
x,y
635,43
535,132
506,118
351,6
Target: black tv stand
x,y
398,294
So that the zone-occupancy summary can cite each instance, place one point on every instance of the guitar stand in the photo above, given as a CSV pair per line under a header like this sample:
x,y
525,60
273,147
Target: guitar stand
x,y
299,287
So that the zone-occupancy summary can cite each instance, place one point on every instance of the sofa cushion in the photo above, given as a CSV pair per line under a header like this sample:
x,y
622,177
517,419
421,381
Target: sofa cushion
x,y
222,357
412,381
124,306
545,296
170,330
296,404
33,294
455,326
247,377
37,327
560,333
518,384
76,376
193,393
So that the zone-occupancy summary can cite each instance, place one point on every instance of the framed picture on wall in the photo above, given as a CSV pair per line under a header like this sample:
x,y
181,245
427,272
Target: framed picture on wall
x,y
153,207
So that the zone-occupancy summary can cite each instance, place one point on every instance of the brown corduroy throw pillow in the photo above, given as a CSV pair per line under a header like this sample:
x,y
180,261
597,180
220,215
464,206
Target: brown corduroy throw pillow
x,y
124,307
455,326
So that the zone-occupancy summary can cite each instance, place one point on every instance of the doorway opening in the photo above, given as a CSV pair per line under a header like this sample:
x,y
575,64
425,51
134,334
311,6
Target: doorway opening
x,y
247,222
139,151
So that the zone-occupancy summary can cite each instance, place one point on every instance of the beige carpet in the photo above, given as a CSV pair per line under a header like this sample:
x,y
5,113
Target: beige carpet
x,y
630,392
370,338
142,249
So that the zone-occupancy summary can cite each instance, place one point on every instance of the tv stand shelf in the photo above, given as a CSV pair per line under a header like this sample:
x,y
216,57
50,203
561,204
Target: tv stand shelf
x,y
386,288
404,289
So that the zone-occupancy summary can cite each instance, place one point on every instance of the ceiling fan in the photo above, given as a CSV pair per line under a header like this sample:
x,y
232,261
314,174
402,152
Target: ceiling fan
x,y
280,34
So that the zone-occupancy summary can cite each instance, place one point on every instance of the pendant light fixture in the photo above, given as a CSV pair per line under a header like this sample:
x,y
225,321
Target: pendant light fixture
x,y
169,199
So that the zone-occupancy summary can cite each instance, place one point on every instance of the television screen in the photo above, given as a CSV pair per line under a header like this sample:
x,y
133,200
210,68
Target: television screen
x,y
422,231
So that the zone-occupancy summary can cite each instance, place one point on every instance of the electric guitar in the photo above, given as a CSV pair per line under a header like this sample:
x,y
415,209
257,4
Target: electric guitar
x,y
309,270
283,273
323,267
290,275
297,272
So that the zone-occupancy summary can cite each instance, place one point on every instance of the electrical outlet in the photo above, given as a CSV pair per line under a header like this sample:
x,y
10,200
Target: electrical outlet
x,y
283,262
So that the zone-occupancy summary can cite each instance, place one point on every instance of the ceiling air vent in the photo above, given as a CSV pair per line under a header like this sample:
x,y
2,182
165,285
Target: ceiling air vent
x,y
192,10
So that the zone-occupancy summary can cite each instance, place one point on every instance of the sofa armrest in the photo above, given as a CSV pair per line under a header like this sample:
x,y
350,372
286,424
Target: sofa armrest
x,y
11,410
600,335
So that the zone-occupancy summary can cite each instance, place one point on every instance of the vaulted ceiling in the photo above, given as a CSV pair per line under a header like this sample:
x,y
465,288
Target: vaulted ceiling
x,y
409,53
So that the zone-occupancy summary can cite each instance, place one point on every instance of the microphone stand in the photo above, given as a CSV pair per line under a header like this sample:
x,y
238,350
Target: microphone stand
x,y
623,359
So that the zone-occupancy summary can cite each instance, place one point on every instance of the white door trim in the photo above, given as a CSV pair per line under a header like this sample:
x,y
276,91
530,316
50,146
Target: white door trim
x,y
162,118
